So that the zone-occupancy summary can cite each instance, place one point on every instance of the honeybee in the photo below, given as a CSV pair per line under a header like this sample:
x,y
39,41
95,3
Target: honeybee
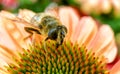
x,y
48,25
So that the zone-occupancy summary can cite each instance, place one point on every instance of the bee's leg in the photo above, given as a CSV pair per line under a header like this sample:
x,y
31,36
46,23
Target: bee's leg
x,y
47,38
30,30
57,45
60,37
29,36
59,41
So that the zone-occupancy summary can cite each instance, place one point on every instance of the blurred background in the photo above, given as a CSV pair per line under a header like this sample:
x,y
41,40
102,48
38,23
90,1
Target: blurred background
x,y
104,11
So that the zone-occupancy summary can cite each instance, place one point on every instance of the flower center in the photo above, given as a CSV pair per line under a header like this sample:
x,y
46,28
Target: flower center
x,y
66,59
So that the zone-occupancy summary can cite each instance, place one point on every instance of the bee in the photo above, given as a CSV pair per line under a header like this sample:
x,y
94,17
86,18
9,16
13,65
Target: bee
x,y
48,25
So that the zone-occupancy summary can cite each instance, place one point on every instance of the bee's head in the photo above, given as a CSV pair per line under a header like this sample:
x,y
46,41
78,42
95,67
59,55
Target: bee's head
x,y
58,34
62,31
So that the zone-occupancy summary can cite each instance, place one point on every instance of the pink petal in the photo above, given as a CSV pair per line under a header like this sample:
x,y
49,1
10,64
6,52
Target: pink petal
x,y
84,31
70,18
5,39
110,52
103,43
26,14
116,68
12,33
110,65
7,14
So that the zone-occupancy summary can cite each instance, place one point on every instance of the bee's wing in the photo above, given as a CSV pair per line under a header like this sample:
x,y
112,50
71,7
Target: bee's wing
x,y
51,6
52,9
21,21
26,14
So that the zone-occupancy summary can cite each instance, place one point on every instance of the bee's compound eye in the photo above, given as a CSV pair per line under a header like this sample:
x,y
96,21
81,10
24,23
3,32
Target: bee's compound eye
x,y
63,33
52,34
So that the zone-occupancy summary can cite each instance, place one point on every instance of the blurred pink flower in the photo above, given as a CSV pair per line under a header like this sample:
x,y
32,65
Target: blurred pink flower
x,y
9,4
100,6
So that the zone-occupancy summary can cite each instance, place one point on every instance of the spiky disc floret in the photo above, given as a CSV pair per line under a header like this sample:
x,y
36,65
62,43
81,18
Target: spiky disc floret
x,y
66,59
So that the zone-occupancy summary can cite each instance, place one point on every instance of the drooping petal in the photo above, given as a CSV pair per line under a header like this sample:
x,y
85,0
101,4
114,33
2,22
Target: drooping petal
x,y
103,43
84,31
11,32
5,38
110,52
7,14
70,18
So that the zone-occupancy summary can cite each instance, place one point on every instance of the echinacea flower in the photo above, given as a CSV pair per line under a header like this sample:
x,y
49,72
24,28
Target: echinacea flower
x,y
89,41
99,6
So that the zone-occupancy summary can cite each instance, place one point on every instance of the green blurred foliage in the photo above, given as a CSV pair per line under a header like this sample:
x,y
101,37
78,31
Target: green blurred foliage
x,y
35,5
1,7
